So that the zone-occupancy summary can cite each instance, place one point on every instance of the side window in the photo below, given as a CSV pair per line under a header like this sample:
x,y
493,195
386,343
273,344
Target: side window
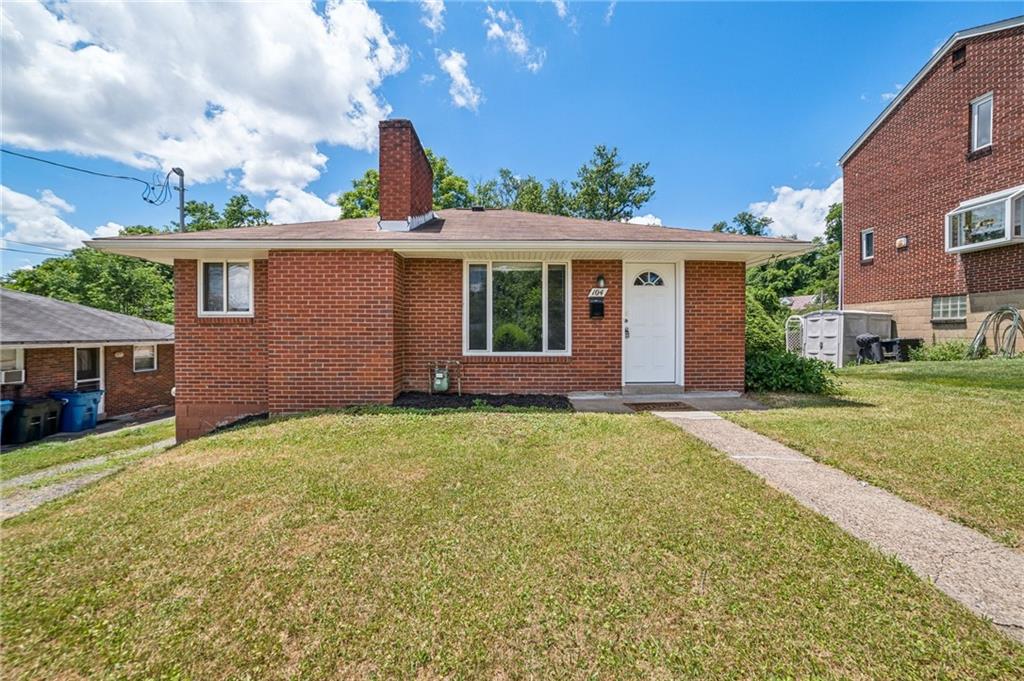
x,y
867,244
225,288
981,122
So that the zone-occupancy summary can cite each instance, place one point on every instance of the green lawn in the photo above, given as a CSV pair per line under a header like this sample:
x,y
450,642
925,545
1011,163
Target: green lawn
x,y
463,545
36,457
946,435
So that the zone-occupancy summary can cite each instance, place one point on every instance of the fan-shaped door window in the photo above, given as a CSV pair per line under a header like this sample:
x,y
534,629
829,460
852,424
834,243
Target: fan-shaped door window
x,y
648,279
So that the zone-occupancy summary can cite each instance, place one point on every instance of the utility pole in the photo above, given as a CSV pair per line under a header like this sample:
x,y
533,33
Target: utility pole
x,y
181,197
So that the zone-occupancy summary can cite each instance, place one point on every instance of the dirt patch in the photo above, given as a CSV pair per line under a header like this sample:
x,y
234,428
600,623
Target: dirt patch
x,y
418,400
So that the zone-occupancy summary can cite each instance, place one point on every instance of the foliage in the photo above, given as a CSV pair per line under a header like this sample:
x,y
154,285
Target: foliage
x,y
201,216
781,371
102,280
604,192
745,223
946,351
763,333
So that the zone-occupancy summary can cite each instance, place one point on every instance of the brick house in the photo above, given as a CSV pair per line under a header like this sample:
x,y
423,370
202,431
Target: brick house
x,y
933,191
49,344
287,318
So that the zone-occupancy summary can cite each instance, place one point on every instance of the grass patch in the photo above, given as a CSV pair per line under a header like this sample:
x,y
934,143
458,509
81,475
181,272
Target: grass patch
x,y
37,457
946,435
463,545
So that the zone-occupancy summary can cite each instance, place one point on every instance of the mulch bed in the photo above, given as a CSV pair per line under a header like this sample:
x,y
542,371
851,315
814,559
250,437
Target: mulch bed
x,y
419,400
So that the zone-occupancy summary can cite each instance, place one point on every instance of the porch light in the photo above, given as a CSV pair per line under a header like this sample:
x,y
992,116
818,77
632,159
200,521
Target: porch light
x,y
600,281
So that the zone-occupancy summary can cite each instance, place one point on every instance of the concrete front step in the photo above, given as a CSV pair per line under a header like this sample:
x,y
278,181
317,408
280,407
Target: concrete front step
x,y
652,389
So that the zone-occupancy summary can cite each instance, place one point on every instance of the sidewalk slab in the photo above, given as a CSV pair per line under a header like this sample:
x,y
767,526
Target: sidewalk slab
x,y
986,577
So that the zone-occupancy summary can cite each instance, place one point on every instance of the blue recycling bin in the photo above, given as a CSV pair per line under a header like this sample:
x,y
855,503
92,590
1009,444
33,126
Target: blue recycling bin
x,y
79,409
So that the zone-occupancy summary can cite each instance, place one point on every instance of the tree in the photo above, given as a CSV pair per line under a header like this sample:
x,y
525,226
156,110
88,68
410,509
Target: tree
x,y
450,190
362,201
603,192
745,223
102,280
238,212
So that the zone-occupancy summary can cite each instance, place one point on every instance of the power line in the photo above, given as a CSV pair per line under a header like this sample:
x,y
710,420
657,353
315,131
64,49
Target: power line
x,y
25,243
155,192
18,250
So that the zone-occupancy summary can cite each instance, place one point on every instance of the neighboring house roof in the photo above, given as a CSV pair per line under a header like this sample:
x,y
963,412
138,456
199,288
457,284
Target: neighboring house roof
x,y
455,229
957,37
799,302
29,319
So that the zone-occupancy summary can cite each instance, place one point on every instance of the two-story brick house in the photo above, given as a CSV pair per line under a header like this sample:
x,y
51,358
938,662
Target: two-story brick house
x,y
933,191
286,318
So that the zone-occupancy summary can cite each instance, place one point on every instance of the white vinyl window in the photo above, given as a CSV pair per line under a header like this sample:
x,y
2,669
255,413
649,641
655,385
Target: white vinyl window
x,y
949,308
225,288
867,244
986,221
516,308
981,122
144,358
12,366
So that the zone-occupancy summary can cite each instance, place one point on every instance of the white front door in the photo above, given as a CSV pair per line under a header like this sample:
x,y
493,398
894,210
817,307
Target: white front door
x,y
649,323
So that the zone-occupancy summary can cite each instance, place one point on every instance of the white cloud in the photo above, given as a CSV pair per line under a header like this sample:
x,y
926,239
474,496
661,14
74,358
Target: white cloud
x,y
433,15
505,28
464,94
152,88
889,96
427,78
295,205
29,220
562,8
109,229
610,12
649,219
799,211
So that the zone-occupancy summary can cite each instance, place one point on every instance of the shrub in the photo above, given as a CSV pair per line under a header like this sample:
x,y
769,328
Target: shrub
x,y
510,337
763,333
947,351
778,370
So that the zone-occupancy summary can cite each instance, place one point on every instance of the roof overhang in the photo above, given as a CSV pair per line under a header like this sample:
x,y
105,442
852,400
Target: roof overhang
x,y
957,37
749,252
39,345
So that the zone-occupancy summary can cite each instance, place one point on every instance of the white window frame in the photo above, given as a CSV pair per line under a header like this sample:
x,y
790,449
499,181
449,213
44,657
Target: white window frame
x,y
156,355
19,365
200,282
863,241
975,105
1012,204
544,308
948,300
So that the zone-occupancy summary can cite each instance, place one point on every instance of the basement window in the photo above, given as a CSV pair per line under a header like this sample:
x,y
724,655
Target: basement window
x,y
516,308
144,358
225,289
986,221
949,308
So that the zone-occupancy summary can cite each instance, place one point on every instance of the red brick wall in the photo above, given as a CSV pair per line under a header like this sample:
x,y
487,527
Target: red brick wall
x,y
714,324
915,168
406,179
331,331
49,369
220,362
434,332
129,391
46,369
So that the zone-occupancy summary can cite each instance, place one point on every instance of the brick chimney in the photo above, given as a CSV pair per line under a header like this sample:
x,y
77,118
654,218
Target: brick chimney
x,y
406,178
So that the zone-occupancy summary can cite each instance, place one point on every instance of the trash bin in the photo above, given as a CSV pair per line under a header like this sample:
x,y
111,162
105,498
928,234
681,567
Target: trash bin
x,y
5,408
33,419
870,348
79,409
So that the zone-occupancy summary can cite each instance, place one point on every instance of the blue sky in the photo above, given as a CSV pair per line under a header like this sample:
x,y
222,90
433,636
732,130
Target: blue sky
x,y
730,103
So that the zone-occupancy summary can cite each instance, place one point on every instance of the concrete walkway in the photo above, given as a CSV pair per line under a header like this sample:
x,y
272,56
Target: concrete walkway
x,y
986,577
24,500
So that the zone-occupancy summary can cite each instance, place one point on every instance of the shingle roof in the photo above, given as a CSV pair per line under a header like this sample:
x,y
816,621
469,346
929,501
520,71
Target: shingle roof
x,y
27,319
464,225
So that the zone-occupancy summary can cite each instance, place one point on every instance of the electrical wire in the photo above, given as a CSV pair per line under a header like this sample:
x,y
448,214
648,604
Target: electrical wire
x,y
156,192
25,243
18,250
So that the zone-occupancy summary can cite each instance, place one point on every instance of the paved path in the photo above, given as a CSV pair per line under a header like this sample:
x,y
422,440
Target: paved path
x,y
986,577
23,501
